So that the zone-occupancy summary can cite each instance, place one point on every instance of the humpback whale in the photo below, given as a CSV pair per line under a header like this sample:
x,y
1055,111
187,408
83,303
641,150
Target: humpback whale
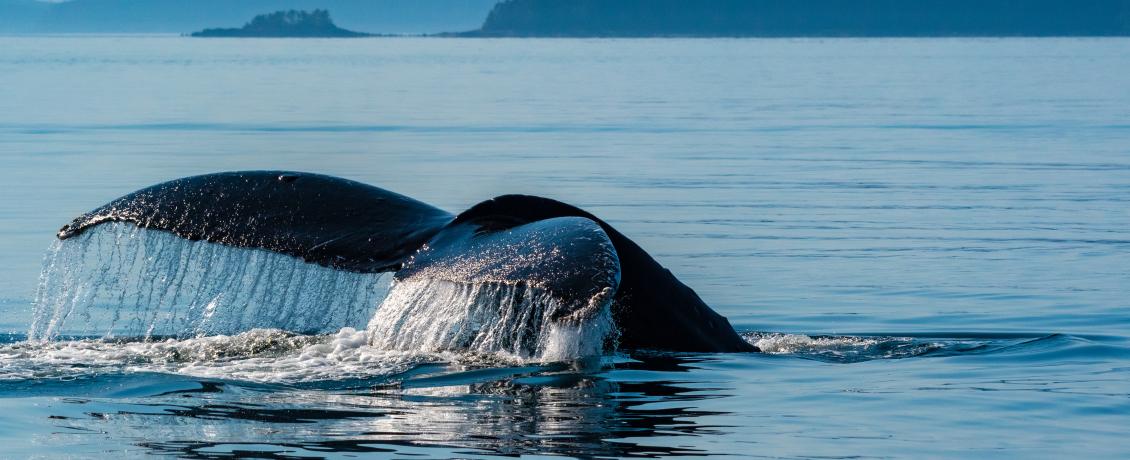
x,y
560,249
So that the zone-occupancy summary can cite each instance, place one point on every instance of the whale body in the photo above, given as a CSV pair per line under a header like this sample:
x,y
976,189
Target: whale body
x,y
515,239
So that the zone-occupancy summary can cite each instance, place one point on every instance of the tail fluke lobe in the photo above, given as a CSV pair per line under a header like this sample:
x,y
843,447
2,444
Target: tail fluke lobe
x,y
324,220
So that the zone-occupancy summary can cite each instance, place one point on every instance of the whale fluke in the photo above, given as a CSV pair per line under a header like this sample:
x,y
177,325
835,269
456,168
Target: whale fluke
x,y
513,240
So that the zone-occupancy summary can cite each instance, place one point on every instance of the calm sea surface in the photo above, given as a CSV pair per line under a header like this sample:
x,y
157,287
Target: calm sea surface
x,y
931,238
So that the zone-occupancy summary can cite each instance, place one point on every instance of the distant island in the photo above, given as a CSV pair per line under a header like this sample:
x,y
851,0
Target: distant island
x,y
185,16
292,23
805,18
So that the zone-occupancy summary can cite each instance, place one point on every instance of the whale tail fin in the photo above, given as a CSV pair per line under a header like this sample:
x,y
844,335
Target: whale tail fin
x,y
513,239
323,220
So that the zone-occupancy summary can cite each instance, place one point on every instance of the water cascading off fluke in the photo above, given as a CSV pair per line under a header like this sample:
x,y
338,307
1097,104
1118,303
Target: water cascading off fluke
x,y
120,281
512,319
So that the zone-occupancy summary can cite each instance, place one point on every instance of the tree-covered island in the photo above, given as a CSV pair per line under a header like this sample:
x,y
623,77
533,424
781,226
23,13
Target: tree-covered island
x,y
292,23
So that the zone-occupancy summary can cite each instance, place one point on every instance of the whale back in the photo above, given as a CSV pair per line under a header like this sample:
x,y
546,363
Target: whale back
x,y
324,220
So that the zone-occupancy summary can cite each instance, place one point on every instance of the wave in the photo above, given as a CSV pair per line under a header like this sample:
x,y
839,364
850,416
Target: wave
x,y
352,357
841,348
860,348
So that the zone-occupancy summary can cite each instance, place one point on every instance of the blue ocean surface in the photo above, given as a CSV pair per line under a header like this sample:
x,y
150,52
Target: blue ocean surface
x,y
929,239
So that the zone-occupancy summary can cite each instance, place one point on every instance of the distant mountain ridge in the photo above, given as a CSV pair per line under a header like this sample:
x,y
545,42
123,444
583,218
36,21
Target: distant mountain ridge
x,y
801,18
183,16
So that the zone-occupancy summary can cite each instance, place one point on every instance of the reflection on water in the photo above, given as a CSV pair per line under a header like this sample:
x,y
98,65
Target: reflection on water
x,y
560,412
861,395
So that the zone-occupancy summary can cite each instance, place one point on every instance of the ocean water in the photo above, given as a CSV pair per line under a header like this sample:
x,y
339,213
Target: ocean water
x,y
928,238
